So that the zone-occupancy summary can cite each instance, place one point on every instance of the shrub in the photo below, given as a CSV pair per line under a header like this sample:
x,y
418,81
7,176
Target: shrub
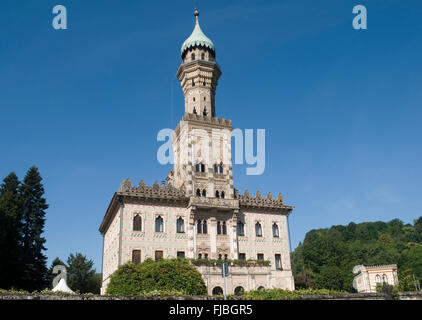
x,y
280,294
157,278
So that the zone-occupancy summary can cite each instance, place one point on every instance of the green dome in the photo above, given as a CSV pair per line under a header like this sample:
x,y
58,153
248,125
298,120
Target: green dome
x,y
197,38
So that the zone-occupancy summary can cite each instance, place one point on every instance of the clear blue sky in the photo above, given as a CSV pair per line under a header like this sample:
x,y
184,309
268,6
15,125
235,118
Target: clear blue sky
x,y
342,108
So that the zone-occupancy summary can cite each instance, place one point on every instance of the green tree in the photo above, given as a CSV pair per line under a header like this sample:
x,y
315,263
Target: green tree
x,y
33,218
10,233
165,275
80,274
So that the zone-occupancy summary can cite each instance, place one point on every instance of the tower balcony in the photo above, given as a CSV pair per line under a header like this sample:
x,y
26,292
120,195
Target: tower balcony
x,y
209,203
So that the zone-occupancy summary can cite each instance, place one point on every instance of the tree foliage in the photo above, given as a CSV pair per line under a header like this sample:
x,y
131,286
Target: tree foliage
x,y
81,276
170,275
326,257
22,218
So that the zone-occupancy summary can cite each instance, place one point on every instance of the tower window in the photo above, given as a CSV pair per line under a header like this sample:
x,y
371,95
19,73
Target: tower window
x,y
217,194
240,228
194,110
204,193
222,194
278,262
204,227
198,227
180,225
159,224
258,229
202,167
275,230
192,56
137,223
198,192
224,228
218,227
205,113
203,56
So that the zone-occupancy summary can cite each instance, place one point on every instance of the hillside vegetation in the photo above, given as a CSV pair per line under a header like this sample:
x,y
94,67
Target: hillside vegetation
x,y
326,257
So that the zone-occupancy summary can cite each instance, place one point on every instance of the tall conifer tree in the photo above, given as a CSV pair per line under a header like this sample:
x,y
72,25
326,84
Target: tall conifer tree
x,y
33,216
10,232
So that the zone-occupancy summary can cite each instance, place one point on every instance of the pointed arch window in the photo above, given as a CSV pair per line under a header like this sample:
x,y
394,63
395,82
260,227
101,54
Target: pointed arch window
x,y
204,227
204,193
194,111
215,169
202,167
222,194
198,192
224,227
198,227
240,228
217,194
137,223
205,113
258,229
192,56
180,225
159,224
220,167
202,56
275,230
384,279
218,227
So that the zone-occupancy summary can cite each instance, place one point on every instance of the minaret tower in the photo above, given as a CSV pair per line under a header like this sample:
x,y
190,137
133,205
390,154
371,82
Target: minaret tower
x,y
198,72
202,142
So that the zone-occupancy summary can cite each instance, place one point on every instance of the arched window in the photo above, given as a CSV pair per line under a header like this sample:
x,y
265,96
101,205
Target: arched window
x,y
202,56
198,192
240,228
224,227
378,278
159,224
204,193
221,168
384,279
200,256
261,288
198,227
217,291
137,223
239,291
193,83
215,169
275,230
258,229
198,167
180,225
204,227
218,227
205,113
194,111
217,194
222,194
192,56
202,167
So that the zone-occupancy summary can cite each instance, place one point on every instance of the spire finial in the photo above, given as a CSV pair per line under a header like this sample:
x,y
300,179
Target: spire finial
x,y
196,12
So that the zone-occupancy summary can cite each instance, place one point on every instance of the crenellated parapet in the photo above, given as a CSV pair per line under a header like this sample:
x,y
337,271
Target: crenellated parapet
x,y
156,191
246,200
